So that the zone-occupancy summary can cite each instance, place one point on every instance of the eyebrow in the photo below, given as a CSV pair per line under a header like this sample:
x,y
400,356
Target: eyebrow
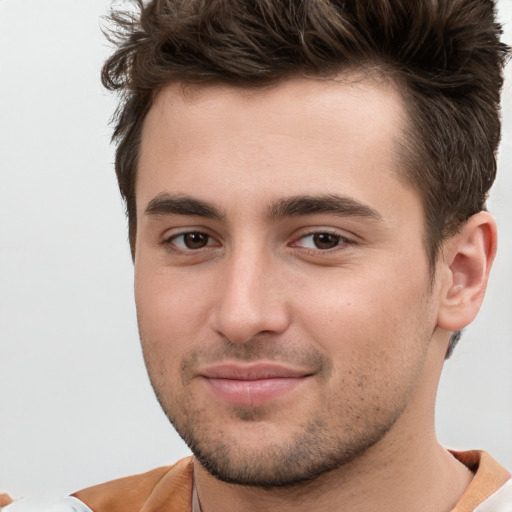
x,y
298,206
166,204
295,206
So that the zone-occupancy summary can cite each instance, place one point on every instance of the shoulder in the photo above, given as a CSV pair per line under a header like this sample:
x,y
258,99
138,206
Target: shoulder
x,y
68,504
500,501
167,488
491,487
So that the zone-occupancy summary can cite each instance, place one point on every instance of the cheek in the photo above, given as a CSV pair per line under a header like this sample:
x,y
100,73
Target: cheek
x,y
376,338
363,314
170,312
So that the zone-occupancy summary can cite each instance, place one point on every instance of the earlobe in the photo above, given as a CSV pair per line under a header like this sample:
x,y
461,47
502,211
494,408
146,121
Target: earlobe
x,y
467,260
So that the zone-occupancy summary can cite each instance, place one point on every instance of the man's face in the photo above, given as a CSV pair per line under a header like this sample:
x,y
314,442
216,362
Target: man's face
x,y
282,284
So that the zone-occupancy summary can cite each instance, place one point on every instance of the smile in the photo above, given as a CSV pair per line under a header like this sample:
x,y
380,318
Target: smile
x,y
252,385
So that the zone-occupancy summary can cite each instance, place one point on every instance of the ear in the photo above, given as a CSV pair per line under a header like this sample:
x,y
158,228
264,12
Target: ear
x,y
466,262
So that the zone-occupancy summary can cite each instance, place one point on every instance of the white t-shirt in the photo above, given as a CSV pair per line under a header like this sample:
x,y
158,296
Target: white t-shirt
x,y
68,504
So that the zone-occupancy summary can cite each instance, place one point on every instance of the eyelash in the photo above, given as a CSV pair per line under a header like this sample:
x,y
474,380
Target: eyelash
x,y
170,242
340,244
342,241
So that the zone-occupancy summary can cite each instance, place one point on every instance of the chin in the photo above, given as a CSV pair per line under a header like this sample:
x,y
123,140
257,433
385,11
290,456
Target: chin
x,y
256,461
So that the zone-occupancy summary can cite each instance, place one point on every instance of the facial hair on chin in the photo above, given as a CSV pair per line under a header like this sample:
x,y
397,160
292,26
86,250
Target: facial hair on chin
x,y
312,449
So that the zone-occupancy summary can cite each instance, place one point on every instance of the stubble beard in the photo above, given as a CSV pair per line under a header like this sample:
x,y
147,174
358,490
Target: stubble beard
x,y
319,445
303,458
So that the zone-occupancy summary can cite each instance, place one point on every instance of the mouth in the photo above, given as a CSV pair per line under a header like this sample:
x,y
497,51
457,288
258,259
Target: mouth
x,y
252,385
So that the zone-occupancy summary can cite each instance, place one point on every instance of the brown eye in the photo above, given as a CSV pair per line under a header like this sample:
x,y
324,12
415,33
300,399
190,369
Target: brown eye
x,y
195,240
326,240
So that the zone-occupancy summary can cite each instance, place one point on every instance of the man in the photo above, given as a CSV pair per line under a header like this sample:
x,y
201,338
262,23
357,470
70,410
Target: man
x,y
305,186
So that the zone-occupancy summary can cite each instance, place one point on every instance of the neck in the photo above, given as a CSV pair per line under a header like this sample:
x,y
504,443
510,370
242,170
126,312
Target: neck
x,y
406,470
430,479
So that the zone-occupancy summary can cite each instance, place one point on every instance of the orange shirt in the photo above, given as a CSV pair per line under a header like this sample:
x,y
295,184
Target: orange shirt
x,y
491,482
169,489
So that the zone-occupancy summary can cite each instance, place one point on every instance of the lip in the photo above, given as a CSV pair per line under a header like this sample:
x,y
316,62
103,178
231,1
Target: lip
x,y
252,385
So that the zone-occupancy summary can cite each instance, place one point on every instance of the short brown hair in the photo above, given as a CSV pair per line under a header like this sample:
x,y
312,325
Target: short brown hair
x,y
445,56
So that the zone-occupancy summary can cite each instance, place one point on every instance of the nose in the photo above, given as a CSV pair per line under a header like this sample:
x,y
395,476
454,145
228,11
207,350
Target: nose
x,y
251,300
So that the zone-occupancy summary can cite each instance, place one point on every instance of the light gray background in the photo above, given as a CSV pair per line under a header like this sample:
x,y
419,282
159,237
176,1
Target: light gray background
x,y
76,407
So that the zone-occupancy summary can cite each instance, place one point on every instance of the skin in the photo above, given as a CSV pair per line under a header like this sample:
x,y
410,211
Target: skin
x,y
5,500
229,274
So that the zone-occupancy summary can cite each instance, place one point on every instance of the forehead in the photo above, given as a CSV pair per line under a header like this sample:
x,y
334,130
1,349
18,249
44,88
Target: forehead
x,y
298,135
315,103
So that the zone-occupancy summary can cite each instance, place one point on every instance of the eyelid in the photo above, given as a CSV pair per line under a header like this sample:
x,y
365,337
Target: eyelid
x,y
170,235
345,239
